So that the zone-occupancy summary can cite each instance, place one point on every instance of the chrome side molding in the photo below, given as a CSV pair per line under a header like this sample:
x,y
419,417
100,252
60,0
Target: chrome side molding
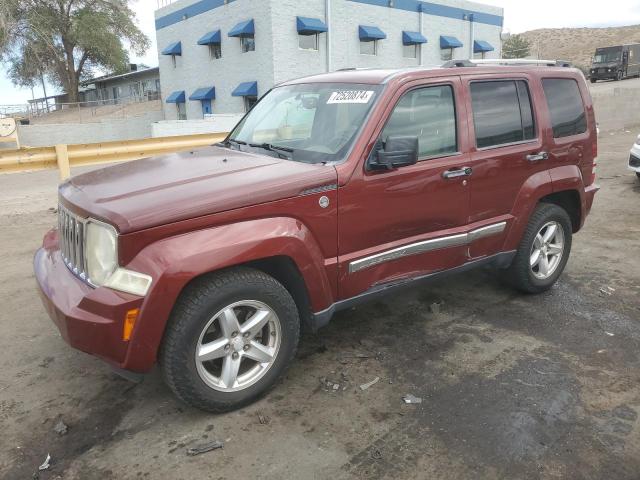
x,y
426,246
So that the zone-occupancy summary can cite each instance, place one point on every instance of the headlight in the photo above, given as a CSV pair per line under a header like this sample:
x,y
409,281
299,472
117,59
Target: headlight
x,y
101,251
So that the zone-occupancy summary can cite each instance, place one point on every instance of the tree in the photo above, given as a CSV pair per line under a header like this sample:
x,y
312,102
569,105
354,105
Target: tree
x,y
66,40
516,46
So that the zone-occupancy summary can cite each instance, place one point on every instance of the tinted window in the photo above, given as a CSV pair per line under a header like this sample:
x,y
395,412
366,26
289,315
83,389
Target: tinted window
x,y
501,112
429,114
565,104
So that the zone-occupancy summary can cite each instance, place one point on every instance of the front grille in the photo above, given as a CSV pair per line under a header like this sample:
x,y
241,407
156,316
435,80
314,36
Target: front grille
x,y
634,161
72,233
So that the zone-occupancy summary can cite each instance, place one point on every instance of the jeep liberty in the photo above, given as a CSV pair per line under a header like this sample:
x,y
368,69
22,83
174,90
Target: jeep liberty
x,y
332,190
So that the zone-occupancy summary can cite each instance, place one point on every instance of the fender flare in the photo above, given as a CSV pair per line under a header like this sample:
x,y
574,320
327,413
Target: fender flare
x,y
175,261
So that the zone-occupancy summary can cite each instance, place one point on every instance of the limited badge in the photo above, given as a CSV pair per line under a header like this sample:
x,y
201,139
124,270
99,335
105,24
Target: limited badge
x,y
324,201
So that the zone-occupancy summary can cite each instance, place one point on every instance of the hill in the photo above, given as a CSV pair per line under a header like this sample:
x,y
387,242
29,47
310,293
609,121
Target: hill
x,y
577,45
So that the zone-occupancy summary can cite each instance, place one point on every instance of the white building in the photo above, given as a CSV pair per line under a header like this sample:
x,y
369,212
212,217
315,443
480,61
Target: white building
x,y
218,56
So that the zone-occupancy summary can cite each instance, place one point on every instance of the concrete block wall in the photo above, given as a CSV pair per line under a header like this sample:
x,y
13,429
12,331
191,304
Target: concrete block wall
x,y
278,58
195,69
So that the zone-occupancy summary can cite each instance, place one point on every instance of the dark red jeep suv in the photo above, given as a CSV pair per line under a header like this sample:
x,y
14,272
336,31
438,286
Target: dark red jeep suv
x,y
332,190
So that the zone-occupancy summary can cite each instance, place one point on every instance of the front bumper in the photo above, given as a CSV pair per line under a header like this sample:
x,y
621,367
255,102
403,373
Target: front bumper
x,y
604,75
634,158
89,319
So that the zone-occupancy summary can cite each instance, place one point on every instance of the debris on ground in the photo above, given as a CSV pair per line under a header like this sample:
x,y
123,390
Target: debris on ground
x,y
61,428
607,290
364,386
204,448
611,334
435,307
410,399
263,419
376,454
46,464
334,386
346,357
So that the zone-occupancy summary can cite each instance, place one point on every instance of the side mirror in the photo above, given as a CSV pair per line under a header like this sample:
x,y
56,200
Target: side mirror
x,y
399,151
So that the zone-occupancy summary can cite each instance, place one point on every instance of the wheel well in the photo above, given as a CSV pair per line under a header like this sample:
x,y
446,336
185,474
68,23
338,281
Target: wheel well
x,y
285,271
569,200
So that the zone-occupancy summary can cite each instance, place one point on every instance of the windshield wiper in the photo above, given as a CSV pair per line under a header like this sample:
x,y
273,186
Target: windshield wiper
x,y
229,141
273,148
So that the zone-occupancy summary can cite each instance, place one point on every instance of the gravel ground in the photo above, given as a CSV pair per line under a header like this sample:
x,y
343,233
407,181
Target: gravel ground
x,y
513,386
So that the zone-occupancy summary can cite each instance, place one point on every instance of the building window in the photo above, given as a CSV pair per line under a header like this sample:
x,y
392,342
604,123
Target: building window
x,y
249,102
446,54
308,42
248,44
182,111
410,51
215,51
368,47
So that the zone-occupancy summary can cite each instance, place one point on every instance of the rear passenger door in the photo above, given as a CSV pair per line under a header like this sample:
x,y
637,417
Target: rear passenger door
x,y
507,148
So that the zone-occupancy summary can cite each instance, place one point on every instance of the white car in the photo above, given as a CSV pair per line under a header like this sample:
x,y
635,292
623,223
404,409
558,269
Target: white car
x,y
634,157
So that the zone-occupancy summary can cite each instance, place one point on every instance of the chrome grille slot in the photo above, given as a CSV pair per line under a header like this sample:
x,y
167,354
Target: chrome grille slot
x,y
72,233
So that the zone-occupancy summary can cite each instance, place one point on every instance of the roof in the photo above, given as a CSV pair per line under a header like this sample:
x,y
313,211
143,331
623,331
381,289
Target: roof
x,y
376,76
107,78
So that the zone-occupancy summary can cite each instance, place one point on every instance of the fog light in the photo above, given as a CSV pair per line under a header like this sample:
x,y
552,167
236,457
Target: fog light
x,y
129,281
129,322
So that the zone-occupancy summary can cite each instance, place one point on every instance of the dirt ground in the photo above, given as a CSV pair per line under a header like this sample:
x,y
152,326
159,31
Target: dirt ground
x,y
513,386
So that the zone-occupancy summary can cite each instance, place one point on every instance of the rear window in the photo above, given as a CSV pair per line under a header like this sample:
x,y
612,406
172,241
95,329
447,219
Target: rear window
x,y
566,107
502,112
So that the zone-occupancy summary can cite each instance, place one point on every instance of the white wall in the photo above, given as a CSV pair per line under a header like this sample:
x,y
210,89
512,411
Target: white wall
x,y
220,123
107,130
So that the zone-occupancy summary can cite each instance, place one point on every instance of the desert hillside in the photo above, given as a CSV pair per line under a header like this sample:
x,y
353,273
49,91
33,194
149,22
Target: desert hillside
x,y
577,45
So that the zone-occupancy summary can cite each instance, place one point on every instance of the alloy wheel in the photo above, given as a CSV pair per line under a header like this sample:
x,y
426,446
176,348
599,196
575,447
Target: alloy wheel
x,y
238,345
546,251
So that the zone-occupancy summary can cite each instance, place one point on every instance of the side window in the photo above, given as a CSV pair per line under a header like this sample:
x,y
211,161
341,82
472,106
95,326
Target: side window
x,y
502,112
429,114
565,105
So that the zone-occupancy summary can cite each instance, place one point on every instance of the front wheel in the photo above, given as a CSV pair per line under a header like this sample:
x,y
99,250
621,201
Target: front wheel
x,y
593,80
230,337
543,251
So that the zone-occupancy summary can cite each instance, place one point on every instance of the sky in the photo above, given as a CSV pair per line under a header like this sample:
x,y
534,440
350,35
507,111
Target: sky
x,y
519,16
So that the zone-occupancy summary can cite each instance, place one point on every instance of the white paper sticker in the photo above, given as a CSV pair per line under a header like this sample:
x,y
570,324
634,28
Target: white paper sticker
x,y
351,96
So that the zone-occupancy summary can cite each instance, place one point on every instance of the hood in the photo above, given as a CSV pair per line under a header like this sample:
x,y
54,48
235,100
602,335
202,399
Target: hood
x,y
160,190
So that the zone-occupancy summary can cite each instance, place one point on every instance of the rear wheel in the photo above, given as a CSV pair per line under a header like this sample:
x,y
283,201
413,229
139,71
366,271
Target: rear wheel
x,y
230,337
619,75
543,251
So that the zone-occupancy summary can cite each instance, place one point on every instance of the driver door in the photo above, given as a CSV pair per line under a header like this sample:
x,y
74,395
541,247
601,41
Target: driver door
x,y
403,223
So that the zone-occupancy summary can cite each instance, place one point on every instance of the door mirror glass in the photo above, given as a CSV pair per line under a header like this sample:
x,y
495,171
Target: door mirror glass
x,y
399,151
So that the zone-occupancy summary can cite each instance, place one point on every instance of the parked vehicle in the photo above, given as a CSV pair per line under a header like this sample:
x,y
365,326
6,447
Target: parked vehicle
x,y
634,157
615,63
333,190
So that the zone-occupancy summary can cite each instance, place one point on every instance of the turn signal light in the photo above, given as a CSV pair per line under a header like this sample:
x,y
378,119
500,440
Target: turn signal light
x,y
129,321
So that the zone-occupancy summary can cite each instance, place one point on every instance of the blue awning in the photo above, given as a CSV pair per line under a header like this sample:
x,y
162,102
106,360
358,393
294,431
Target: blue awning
x,y
211,38
482,46
310,26
413,38
176,97
205,93
246,89
370,33
449,42
173,49
243,29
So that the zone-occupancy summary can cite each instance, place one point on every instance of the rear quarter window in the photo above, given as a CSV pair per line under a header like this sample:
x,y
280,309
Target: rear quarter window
x,y
565,106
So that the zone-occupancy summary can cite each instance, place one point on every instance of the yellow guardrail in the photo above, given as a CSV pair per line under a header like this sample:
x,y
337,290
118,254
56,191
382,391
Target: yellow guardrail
x,y
63,157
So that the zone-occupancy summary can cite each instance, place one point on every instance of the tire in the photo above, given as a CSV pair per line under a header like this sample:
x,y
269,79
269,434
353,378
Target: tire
x,y
197,319
592,80
619,76
521,273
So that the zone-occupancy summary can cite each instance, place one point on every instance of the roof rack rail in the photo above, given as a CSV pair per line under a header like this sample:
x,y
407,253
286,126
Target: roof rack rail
x,y
506,62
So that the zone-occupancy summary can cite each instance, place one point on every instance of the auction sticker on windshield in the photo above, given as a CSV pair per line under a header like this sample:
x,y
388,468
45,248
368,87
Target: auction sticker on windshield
x,y
351,96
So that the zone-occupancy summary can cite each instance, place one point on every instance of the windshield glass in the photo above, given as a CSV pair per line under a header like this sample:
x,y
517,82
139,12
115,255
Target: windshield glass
x,y
607,56
314,122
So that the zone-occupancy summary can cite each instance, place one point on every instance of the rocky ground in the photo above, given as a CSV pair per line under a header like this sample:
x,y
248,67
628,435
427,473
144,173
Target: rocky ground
x,y
512,386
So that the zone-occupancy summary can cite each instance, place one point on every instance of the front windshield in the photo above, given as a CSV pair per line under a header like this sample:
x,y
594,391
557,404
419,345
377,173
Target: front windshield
x,y
313,122
607,56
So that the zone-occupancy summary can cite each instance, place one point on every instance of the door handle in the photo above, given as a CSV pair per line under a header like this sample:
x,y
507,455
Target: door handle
x,y
536,157
457,172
